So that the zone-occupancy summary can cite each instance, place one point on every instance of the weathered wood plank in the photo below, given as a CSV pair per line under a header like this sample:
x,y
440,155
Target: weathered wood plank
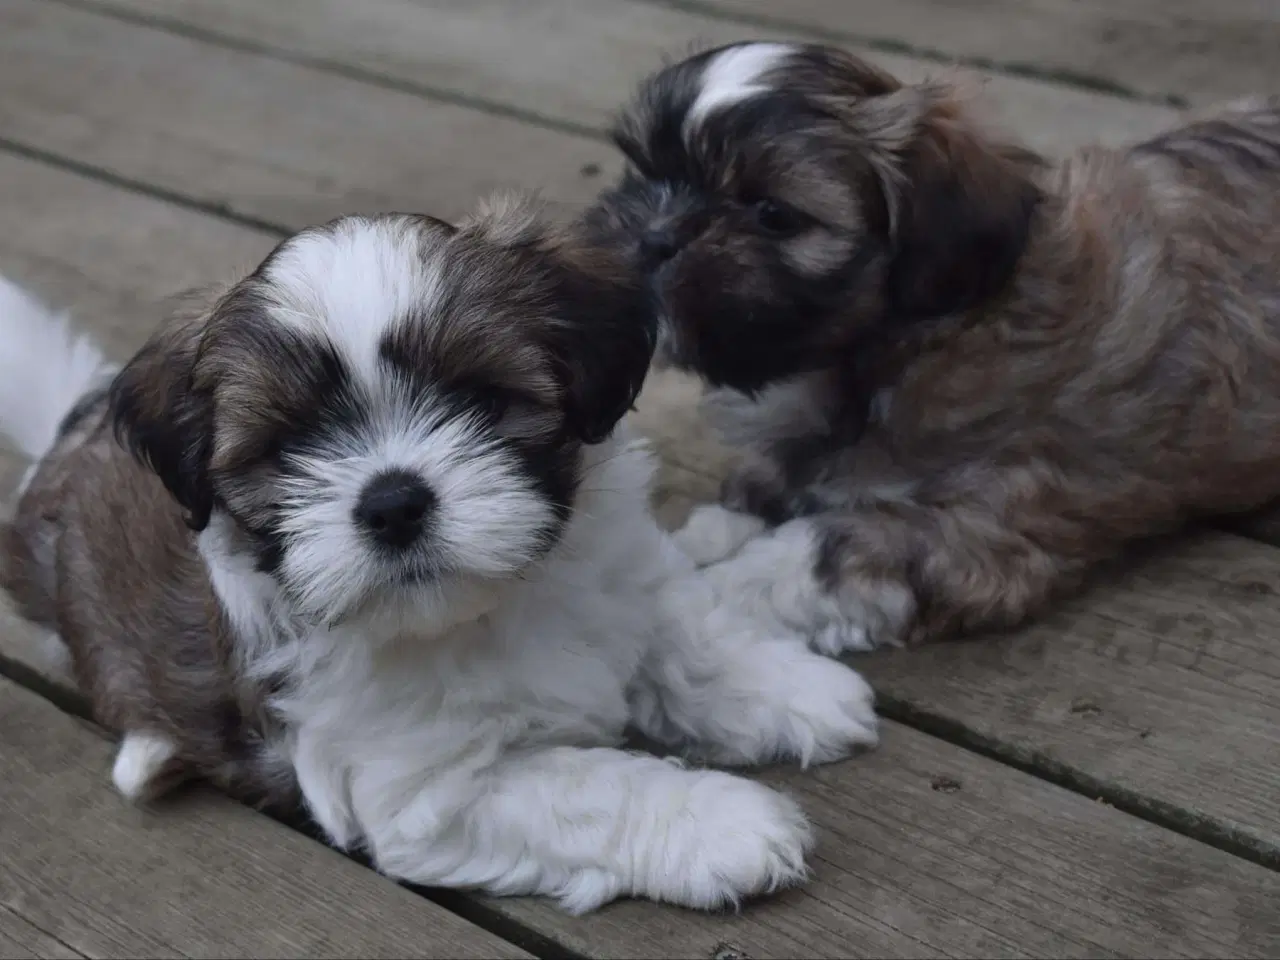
x,y
1158,688
576,61
1192,50
19,938
1161,687
264,138
200,877
931,851
927,850
113,254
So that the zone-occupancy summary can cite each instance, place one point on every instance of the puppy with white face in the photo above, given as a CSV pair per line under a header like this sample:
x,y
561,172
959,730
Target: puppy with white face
x,y
961,375
364,535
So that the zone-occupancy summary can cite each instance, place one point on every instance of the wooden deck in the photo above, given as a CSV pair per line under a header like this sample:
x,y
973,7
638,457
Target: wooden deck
x,y
1106,783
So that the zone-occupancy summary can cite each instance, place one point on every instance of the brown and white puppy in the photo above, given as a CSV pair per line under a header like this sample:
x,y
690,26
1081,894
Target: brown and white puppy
x,y
964,374
362,534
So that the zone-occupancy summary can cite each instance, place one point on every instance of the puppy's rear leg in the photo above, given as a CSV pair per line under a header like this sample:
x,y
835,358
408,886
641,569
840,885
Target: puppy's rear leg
x,y
586,826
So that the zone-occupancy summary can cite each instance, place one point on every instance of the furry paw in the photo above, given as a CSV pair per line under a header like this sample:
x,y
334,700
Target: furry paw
x,y
733,839
712,841
861,615
713,533
775,578
823,711
782,702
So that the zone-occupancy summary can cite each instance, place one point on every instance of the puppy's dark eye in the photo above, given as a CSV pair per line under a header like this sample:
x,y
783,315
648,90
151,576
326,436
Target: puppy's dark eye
x,y
491,403
484,401
777,218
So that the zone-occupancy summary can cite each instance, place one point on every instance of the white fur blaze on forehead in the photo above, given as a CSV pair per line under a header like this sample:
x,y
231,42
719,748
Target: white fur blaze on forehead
x,y
351,283
732,76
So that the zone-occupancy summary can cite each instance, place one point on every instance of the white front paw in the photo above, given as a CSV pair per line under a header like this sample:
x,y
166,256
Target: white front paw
x,y
773,577
780,701
734,839
824,711
862,614
713,533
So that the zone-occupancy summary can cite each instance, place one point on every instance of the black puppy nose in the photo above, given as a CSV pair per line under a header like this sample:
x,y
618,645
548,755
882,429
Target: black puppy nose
x,y
658,244
393,507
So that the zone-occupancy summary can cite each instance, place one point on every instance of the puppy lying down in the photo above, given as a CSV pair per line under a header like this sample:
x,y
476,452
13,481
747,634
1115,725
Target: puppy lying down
x,y
363,534
957,377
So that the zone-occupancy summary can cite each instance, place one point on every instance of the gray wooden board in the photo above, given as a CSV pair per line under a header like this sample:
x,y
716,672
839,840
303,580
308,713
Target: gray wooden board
x,y
1160,687
930,851
1196,50
576,61
925,849
199,877
265,139
20,938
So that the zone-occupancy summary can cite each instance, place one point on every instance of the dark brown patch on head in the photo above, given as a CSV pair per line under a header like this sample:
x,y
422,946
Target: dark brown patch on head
x,y
580,316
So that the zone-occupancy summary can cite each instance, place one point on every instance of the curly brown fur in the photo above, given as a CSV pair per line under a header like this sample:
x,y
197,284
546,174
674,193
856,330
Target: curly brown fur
x,y
963,375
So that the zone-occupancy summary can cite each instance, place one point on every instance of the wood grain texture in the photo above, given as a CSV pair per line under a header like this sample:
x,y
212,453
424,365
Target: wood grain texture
x,y
197,877
576,61
20,938
1193,50
262,138
108,255
1160,685
925,849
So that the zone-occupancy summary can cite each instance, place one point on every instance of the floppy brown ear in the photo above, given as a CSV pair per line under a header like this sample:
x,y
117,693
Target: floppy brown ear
x,y
963,217
604,330
604,341
163,421
959,203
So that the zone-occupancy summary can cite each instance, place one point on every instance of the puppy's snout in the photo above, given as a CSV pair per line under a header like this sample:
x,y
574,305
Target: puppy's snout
x,y
394,508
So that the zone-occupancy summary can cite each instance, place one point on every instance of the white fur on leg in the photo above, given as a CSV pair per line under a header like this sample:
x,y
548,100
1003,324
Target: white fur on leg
x,y
141,760
735,691
712,533
773,575
585,826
